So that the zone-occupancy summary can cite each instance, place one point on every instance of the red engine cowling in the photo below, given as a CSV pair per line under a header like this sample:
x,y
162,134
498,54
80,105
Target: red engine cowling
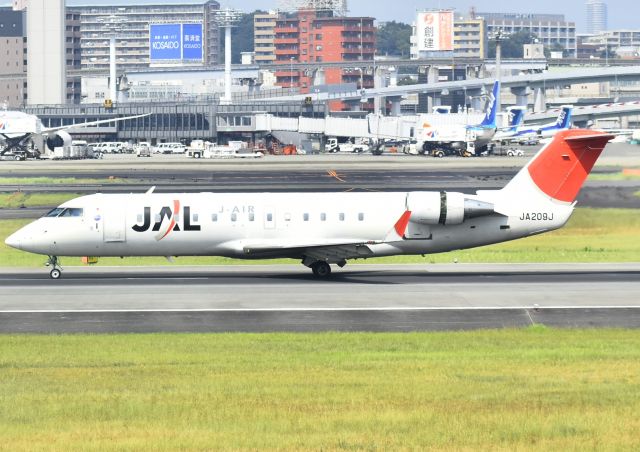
x,y
58,140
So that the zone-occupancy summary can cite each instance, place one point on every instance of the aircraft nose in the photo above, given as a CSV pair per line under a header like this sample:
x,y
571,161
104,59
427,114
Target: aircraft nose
x,y
14,241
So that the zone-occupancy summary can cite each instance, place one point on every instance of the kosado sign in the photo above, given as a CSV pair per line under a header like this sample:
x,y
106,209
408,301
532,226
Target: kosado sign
x,y
175,43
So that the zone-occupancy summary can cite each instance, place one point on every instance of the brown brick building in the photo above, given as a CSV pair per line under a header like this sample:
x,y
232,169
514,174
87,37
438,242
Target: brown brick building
x,y
318,36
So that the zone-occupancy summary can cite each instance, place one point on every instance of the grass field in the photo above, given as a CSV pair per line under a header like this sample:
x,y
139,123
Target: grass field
x,y
23,199
530,389
57,180
592,235
629,174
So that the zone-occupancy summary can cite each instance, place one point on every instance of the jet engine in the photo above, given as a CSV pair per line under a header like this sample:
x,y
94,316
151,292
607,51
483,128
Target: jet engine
x,y
58,140
445,207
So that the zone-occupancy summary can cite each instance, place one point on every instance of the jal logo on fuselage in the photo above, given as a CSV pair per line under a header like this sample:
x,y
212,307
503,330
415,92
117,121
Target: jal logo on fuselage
x,y
167,220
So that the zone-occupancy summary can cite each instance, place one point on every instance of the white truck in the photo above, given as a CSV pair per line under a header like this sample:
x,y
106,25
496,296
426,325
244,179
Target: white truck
x,y
143,149
356,146
235,149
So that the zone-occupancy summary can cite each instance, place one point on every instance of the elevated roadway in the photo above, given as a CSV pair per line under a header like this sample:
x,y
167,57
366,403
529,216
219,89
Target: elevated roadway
x,y
532,81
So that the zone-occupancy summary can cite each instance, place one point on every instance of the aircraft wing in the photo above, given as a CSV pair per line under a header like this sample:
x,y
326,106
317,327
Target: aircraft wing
x,y
325,250
91,123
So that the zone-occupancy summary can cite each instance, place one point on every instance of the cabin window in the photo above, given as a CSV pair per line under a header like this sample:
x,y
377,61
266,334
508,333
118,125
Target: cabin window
x,y
234,217
361,216
287,217
323,217
252,216
269,217
305,217
214,217
341,216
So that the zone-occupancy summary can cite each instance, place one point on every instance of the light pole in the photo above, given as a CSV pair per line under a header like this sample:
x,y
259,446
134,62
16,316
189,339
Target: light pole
x,y
228,18
499,66
112,24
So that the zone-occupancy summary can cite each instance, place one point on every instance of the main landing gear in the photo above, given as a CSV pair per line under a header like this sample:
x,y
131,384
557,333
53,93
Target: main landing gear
x,y
322,269
56,270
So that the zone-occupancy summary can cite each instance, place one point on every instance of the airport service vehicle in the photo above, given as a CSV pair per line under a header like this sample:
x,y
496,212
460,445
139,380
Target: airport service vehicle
x,y
17,129
165,148
320,229
142,149
357,146
508,151
235,149
111,147
170,148
460,139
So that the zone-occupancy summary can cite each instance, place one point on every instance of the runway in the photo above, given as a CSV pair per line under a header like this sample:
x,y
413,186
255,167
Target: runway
x,y
287,298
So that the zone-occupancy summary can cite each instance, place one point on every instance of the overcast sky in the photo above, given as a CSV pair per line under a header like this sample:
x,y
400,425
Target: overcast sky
x,y
622,13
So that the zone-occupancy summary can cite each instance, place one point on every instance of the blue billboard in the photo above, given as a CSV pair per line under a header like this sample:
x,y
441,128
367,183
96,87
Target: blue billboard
x,y
192,42
175,43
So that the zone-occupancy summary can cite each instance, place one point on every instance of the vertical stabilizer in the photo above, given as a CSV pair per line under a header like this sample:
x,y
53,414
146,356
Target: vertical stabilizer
x,y
562,166
516,118
564,118
490,115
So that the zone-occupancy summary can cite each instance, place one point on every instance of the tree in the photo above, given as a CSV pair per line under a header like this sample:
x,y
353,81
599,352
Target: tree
x,y
394,38
512,45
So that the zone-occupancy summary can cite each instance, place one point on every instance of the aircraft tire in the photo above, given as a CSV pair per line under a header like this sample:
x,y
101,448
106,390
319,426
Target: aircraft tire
x,y
321,269
55,274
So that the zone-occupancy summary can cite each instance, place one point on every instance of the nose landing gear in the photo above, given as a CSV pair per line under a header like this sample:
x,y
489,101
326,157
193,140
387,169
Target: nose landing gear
x,y
56,271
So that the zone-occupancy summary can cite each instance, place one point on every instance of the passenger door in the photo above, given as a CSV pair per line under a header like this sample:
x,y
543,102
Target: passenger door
x,y
114,224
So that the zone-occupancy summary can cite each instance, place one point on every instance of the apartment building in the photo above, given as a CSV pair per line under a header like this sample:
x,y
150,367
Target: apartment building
x,y
319,36
550,29
469,38
132,37
264,45
13,58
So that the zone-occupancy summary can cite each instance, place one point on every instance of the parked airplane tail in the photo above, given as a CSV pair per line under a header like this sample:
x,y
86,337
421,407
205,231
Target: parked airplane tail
x,y
516,118
490,116
562,166
564,118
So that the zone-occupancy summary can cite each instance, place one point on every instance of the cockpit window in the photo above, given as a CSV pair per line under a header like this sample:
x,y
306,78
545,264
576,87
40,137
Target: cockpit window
x,y
71,212
65,212
55,212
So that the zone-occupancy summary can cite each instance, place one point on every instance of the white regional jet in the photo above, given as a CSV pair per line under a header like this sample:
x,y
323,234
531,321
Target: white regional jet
x,y
18,128
319,228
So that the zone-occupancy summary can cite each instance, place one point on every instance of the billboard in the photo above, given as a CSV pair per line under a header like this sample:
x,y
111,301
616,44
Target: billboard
x,y
435,31
175,43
